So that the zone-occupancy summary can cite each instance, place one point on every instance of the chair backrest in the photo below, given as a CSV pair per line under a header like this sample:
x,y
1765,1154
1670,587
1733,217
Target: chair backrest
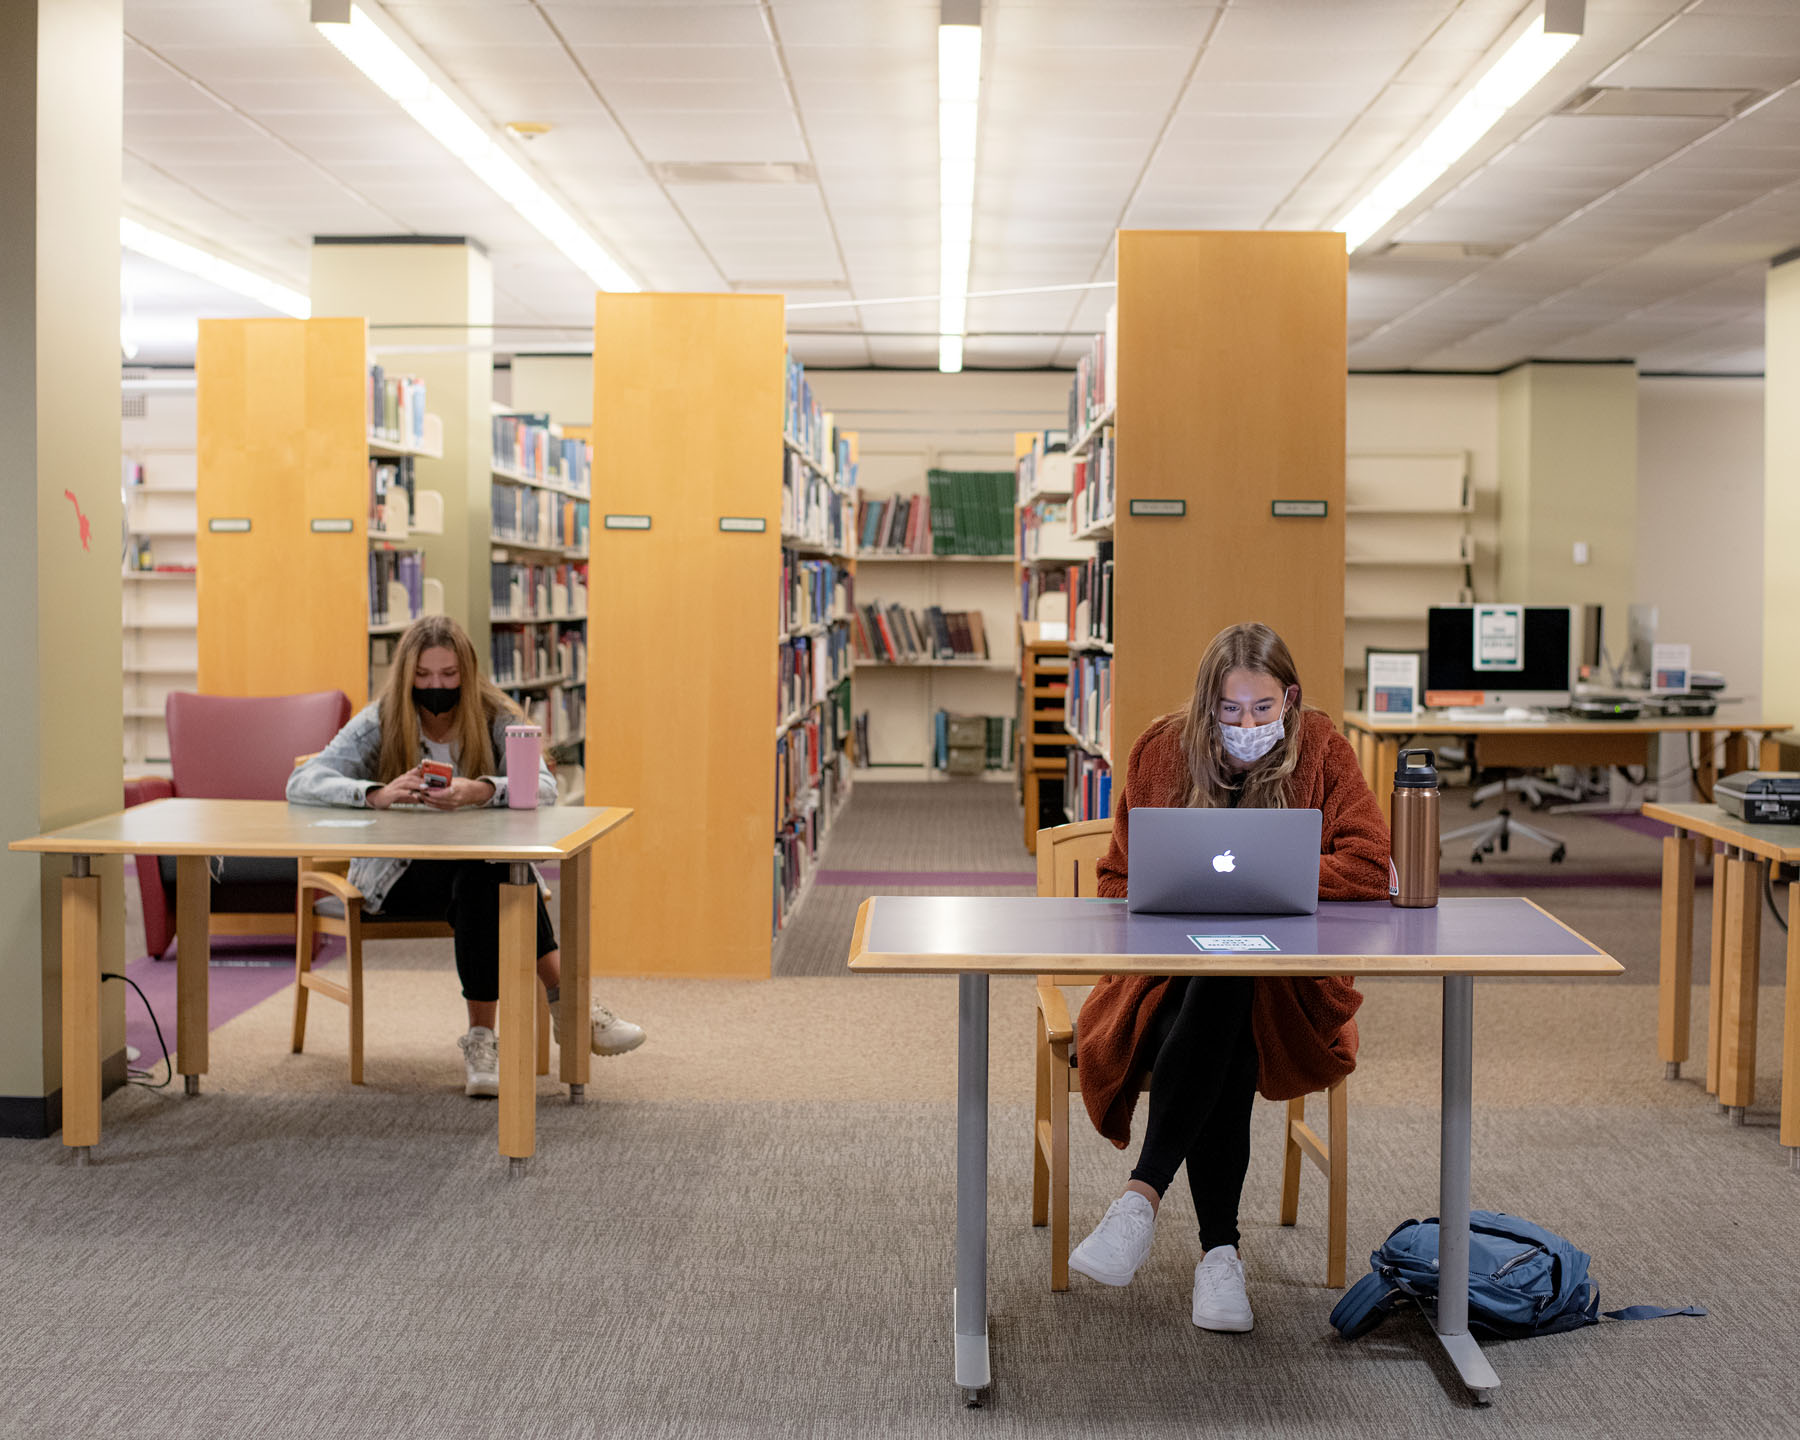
x,y
235,747
1066,856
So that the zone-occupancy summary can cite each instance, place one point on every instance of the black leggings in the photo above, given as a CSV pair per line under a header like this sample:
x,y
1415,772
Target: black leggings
x,y
1203,1057
467,894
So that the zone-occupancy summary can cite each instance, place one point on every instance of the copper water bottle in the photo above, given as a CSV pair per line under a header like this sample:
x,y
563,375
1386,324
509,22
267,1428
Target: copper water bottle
x,y
1413,866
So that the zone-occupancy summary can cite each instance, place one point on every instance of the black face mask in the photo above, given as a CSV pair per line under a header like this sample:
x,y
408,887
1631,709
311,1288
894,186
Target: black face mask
x,y
437,702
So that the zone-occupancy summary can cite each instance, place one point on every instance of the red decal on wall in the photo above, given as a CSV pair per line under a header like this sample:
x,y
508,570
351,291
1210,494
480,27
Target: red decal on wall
x,y
86,529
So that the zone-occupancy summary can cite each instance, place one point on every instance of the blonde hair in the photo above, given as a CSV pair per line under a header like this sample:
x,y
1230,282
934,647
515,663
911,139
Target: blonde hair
x,y
472,721
1211,780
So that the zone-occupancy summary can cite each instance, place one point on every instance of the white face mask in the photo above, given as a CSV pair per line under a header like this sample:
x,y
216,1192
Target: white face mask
x,y
1249,743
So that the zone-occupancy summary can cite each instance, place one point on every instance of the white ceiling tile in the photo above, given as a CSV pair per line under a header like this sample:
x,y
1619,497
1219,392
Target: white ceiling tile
x,y
607,63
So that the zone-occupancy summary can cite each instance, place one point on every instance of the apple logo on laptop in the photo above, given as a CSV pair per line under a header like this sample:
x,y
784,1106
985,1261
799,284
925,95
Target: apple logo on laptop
x,y
1224,864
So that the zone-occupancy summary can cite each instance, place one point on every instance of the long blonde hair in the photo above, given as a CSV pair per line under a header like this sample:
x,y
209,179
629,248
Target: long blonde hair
x,y
472,722
1211,780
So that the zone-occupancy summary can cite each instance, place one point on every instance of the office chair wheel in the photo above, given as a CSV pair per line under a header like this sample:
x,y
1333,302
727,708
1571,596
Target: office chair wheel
x,y
1505,843
973,1399
1475,857
1557,854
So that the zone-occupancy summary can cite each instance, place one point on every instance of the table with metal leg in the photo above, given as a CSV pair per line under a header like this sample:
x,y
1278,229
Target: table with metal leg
x,y
974,937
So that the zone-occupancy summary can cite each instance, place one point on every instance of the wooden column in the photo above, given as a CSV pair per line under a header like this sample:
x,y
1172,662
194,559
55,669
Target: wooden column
x,y
682,644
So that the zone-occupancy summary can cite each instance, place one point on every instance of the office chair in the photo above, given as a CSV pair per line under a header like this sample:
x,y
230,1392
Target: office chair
x,y
1497,832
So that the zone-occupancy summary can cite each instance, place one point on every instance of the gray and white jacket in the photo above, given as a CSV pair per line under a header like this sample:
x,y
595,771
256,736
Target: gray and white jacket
x,y
345,771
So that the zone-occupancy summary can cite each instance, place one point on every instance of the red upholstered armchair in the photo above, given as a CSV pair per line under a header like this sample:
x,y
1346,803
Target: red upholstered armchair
x,y
227,747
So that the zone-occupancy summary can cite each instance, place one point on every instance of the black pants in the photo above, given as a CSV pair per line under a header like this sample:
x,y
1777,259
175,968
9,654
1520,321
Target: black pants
x,y
466,893
1203,1057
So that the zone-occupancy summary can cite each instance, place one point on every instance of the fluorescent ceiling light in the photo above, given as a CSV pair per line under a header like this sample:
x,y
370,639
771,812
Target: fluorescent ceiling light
x,y
374,52
1496,90
207,266
959,94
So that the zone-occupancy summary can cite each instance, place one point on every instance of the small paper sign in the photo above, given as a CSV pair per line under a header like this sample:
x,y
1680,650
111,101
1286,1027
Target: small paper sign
x,y
1299,509
1159,507
743,524
1233,944
1670,666
333,526
1394,684
627,522
230,525
1499,637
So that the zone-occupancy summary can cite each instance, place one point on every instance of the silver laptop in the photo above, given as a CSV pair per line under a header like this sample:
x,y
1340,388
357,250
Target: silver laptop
x,y
1223,862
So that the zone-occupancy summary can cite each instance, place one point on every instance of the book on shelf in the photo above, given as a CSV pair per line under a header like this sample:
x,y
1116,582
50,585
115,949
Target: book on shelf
x,y
969,744
537,517
1090,590
860,732
1042,522
538,592
1094,392
559,711
811,429
396,407
1087,786
531,446
813,592
1087,707
895,635
808,668
971,511
391,493
812,510
894,525
522,655
1036,470
1044,594
405,568
1093,484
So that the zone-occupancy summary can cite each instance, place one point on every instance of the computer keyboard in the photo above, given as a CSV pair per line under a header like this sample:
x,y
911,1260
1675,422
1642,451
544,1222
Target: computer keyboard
x,y
1511,715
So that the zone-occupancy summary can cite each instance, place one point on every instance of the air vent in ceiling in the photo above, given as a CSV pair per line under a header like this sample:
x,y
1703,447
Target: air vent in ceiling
x,y
1661,100
134,405
791,286
698,172
1453,250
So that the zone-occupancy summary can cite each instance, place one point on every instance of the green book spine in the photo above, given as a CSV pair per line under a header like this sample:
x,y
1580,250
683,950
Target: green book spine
x,y
934,483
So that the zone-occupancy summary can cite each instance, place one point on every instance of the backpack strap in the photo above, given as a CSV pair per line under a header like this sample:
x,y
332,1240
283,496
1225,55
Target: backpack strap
x,y
1652,1312
1365,1305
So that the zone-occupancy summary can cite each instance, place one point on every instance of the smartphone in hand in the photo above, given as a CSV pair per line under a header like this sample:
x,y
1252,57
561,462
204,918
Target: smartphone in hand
x,y
436,774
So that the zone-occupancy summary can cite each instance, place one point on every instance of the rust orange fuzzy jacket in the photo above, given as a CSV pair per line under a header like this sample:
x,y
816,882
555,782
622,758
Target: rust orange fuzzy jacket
x,y
1305,1029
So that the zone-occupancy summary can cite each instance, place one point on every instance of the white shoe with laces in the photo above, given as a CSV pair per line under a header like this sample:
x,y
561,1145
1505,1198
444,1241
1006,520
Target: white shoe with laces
x,y
608,1034
481,1061
1220,1301
1119,1243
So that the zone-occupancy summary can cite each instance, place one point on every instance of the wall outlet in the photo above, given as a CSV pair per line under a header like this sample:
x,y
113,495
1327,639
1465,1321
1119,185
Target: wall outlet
x,y
1581,553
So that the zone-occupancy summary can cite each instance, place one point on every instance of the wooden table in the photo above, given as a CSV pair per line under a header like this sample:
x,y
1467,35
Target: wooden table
x,y
1738,879
974,937
193,830
1535,744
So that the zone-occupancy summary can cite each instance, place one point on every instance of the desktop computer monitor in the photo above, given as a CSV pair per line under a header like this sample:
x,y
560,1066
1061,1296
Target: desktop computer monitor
x,y
1549,636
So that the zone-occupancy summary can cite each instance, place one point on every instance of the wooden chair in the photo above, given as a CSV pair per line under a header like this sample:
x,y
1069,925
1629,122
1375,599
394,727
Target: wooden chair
x,y
337,910
1066,855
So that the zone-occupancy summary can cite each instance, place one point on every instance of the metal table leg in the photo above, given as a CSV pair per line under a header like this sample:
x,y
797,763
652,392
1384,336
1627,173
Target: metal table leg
x,y
1453,1192
970,1298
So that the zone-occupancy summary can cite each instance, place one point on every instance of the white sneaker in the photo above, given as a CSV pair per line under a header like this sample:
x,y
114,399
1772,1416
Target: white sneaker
x,y
1220,1302
609,1034
1119,1243
481,1061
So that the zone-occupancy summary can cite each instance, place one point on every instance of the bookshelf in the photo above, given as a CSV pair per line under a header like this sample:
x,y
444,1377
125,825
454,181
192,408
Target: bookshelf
x,y
1215,390
158,613
718,567
1408,545
306,506
1043,739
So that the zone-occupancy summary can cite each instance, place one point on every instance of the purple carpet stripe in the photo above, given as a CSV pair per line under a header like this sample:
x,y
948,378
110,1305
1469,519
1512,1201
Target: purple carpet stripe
x,y
232,988
952,879
1639,825
1498,879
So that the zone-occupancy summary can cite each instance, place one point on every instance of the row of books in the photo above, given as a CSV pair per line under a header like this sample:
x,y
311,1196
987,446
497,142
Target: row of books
x,y
813,592
971,511
1087,787
811,510
896,525
996,737
894,635
798,838
520,655
808,668
530,445
860,741
1035,469
1090,597
1043,593
811,429
1040,521
1096,379
396,407
539,592
403,567
559,711
1095,500
538,517
1088,707
390,493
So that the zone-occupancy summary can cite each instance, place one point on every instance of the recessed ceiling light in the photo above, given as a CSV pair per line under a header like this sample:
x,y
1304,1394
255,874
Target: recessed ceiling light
x,y
704,172
1663,100
1441,250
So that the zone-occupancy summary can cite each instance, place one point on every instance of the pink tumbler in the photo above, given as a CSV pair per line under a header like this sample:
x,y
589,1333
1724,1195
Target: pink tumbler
x,y
522,751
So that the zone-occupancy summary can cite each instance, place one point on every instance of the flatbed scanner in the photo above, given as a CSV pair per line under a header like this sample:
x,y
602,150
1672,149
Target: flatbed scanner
x,y
1766,797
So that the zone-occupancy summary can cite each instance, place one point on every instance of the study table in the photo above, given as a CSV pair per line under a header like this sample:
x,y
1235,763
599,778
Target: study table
x,y
973,937
194,830
1738,879
1559,740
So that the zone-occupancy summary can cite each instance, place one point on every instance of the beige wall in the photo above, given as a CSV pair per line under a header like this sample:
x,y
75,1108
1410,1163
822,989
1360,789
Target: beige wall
x,y
560,386
60,649
451,284
1781,499
1700,498
1568,472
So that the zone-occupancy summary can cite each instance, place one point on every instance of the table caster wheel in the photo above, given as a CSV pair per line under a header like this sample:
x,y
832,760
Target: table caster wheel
x,y
84,1156
973,1399
577,1093
190,1084
1475,857
1672,1070
515,1168
1556,855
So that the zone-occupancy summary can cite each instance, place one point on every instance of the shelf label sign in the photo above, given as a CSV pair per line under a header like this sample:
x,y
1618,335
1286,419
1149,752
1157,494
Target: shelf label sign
x,y
333,525
229,525
743,524
627,522
1158,507
1499,637
1233,944
1299,509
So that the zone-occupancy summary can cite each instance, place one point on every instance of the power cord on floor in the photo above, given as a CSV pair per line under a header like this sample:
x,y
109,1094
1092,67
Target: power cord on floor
x,y
142,1077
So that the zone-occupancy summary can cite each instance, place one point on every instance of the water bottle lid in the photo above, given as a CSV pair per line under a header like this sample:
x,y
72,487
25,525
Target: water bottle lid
x,y
1417,770
513,730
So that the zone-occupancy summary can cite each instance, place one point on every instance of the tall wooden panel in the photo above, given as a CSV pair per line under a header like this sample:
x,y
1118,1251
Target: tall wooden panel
x,y
1231,373
682,644
282,442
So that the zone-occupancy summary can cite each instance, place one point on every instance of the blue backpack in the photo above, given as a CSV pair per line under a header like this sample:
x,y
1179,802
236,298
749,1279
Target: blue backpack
x,y
1523,1280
